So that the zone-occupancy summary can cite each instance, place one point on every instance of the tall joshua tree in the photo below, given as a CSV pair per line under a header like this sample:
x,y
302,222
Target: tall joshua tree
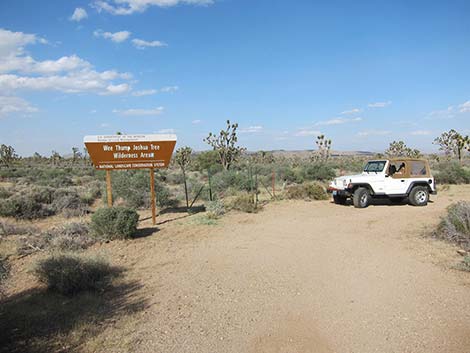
x,y
183,158
226,145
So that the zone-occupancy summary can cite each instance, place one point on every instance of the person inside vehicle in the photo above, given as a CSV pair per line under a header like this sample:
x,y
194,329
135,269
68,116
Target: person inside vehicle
x,y
401,167
392,170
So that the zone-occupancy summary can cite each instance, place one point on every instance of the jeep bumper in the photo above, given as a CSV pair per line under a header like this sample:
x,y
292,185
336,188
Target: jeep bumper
x,y
339,192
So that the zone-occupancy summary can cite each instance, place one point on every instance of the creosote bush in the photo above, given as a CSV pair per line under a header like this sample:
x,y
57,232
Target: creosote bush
x,y
114,223
455,225
452,172
244,203
215,209
70,274
307,191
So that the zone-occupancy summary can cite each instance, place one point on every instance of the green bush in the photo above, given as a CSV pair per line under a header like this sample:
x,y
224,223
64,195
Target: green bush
x,y
465,264
5,193
310,191
244,203
70,237
318,171
114,222
215,209
455,225
7,229
24,207
70,274
452,172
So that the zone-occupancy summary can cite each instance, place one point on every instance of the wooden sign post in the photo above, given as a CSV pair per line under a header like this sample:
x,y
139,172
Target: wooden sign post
x,y
117,152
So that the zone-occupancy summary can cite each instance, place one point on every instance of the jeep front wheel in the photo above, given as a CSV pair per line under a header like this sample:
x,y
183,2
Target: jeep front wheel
x,y
361,198
419,196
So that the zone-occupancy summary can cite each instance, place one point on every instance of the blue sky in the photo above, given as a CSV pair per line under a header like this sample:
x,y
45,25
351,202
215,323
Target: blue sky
x,y
362,72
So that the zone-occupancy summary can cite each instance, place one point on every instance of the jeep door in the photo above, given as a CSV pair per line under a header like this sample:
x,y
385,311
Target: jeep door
x,y
397,179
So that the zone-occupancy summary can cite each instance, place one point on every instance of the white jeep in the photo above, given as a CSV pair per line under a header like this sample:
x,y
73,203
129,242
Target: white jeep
x,y
395,179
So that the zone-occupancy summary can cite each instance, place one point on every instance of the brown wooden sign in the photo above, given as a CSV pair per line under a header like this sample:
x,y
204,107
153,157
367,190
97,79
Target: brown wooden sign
x,y
112,152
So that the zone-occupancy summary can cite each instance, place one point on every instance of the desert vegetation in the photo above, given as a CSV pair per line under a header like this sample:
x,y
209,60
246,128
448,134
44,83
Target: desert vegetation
x,y
67,189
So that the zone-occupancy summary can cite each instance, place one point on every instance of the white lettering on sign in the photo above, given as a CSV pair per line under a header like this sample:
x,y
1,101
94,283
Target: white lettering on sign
x,y
107,148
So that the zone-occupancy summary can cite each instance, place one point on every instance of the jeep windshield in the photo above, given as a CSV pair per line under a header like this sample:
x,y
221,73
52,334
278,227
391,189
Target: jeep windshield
x,y
375,166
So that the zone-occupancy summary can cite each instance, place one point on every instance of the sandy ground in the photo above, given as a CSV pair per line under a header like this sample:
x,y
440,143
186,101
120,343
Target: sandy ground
x,y
297,277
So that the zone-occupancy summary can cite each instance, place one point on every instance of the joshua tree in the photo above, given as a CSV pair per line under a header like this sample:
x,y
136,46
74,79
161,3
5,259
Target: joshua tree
x,y
400,149
183,158
324,147
7,155
225,145
452,143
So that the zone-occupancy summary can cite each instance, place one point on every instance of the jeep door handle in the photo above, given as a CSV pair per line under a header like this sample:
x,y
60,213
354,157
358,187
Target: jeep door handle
x,y
403,180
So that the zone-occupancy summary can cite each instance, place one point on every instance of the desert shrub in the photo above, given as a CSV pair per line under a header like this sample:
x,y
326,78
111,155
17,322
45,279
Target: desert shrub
x,y
4,271
114,222
70,237
455,225
465,264
231,178
70,274
451,172
311,191
208,160
318,171
244,203
24,207
215,209
174,178
5,193
69,203
133,186
15,229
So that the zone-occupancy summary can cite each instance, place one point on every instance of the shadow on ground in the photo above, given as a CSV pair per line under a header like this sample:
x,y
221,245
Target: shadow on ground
x,y
40,321
382,202
145,232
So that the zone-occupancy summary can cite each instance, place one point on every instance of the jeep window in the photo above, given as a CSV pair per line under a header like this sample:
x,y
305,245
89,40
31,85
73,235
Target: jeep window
x,y
397,169
376,166
418,168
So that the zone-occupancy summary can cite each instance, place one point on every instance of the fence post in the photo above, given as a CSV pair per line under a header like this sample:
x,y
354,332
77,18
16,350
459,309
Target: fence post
x,y
210,184
274,184
109,190
152,193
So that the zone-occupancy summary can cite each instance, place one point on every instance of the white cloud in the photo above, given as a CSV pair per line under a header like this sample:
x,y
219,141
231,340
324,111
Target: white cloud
x,y
465,107
307,132
352,111
116,37
338,121
144,92
11,105
140,112
421,133
78,15
142,44
169,89
104,125
128,7
68,74
149,92
117,89
197,121
251,129
442,114
379,104
166,131
373,133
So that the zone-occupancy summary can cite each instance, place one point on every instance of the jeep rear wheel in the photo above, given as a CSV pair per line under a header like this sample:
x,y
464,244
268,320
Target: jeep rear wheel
x,y
361,198
339,200
419,196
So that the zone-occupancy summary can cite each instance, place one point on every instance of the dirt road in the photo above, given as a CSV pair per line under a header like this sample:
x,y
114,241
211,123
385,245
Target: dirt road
x,y
297,277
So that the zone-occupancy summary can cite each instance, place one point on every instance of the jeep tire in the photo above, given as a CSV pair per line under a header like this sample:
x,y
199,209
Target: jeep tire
x,y
339,200
361,198
419,196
